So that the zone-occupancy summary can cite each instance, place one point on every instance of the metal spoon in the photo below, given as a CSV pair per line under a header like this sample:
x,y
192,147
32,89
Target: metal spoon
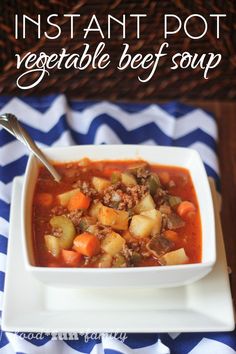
x,y
9,122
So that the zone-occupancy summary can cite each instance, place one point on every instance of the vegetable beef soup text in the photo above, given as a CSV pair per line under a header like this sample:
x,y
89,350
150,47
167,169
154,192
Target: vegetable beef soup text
x,y
111,214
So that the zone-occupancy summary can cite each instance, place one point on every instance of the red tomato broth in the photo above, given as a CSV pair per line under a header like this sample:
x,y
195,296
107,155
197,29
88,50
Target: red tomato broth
x,y
189,235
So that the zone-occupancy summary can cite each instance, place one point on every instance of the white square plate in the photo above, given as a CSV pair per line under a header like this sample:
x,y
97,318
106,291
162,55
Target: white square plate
x,y
31,306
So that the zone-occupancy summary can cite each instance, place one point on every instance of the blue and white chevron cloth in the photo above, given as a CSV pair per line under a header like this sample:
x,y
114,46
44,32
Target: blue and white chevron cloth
x,y
53,121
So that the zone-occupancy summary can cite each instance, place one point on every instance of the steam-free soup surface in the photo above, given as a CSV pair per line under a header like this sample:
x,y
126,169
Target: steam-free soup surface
x,y
116,214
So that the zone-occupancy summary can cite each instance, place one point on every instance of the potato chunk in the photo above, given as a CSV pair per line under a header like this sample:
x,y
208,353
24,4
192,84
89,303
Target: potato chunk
x,y
128,179
117,219
105,261
147,203
112,243
65,197
119,261
53,245
175,257
94,209
141,226
100,183
157,217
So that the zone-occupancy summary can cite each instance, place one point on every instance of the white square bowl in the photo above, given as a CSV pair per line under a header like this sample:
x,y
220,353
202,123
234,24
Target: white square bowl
x,y
166,276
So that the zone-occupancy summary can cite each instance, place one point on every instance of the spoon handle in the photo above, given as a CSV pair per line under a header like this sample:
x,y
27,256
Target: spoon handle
x,y
9,122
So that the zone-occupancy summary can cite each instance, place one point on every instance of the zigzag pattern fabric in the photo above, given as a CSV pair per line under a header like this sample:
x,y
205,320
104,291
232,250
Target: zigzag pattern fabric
x,y
53,121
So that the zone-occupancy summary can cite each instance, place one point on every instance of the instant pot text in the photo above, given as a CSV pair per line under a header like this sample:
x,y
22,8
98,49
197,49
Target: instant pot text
x,y
40,64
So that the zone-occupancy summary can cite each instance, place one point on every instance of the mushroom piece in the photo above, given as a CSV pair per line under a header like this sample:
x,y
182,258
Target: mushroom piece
x,y
159,245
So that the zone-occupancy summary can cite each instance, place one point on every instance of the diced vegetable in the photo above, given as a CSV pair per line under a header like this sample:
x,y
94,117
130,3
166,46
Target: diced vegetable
x,y
100,183
65,197
112,243
164,177
141,226
68,230
172,235
78,201
135,258
175,257
128,237
174,201
105,261
115,177
84,162
153,183
147,203
87,244
94,209
92,229
185,207
71,258
87,221
118,219
165,209
128,179
153,213
157,217
52,244
44,199
119,261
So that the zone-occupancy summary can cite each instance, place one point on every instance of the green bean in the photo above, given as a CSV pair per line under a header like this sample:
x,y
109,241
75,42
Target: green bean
x,y
153,183
115,177
174,201
119,261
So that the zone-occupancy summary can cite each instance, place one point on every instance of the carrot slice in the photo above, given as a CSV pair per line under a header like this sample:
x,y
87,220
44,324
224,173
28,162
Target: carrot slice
x,y
128,237
164,177
71,258
87,244
78,201
185,208
171,235
44,199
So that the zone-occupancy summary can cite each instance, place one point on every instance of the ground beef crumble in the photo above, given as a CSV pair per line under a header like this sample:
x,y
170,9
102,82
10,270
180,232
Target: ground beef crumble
x,y
122,197
127,253
57,231
75,216
86,188
58,210
143,173
100,230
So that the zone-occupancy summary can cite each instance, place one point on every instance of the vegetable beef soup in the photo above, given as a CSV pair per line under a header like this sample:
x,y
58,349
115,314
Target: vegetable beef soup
x,y
111,214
